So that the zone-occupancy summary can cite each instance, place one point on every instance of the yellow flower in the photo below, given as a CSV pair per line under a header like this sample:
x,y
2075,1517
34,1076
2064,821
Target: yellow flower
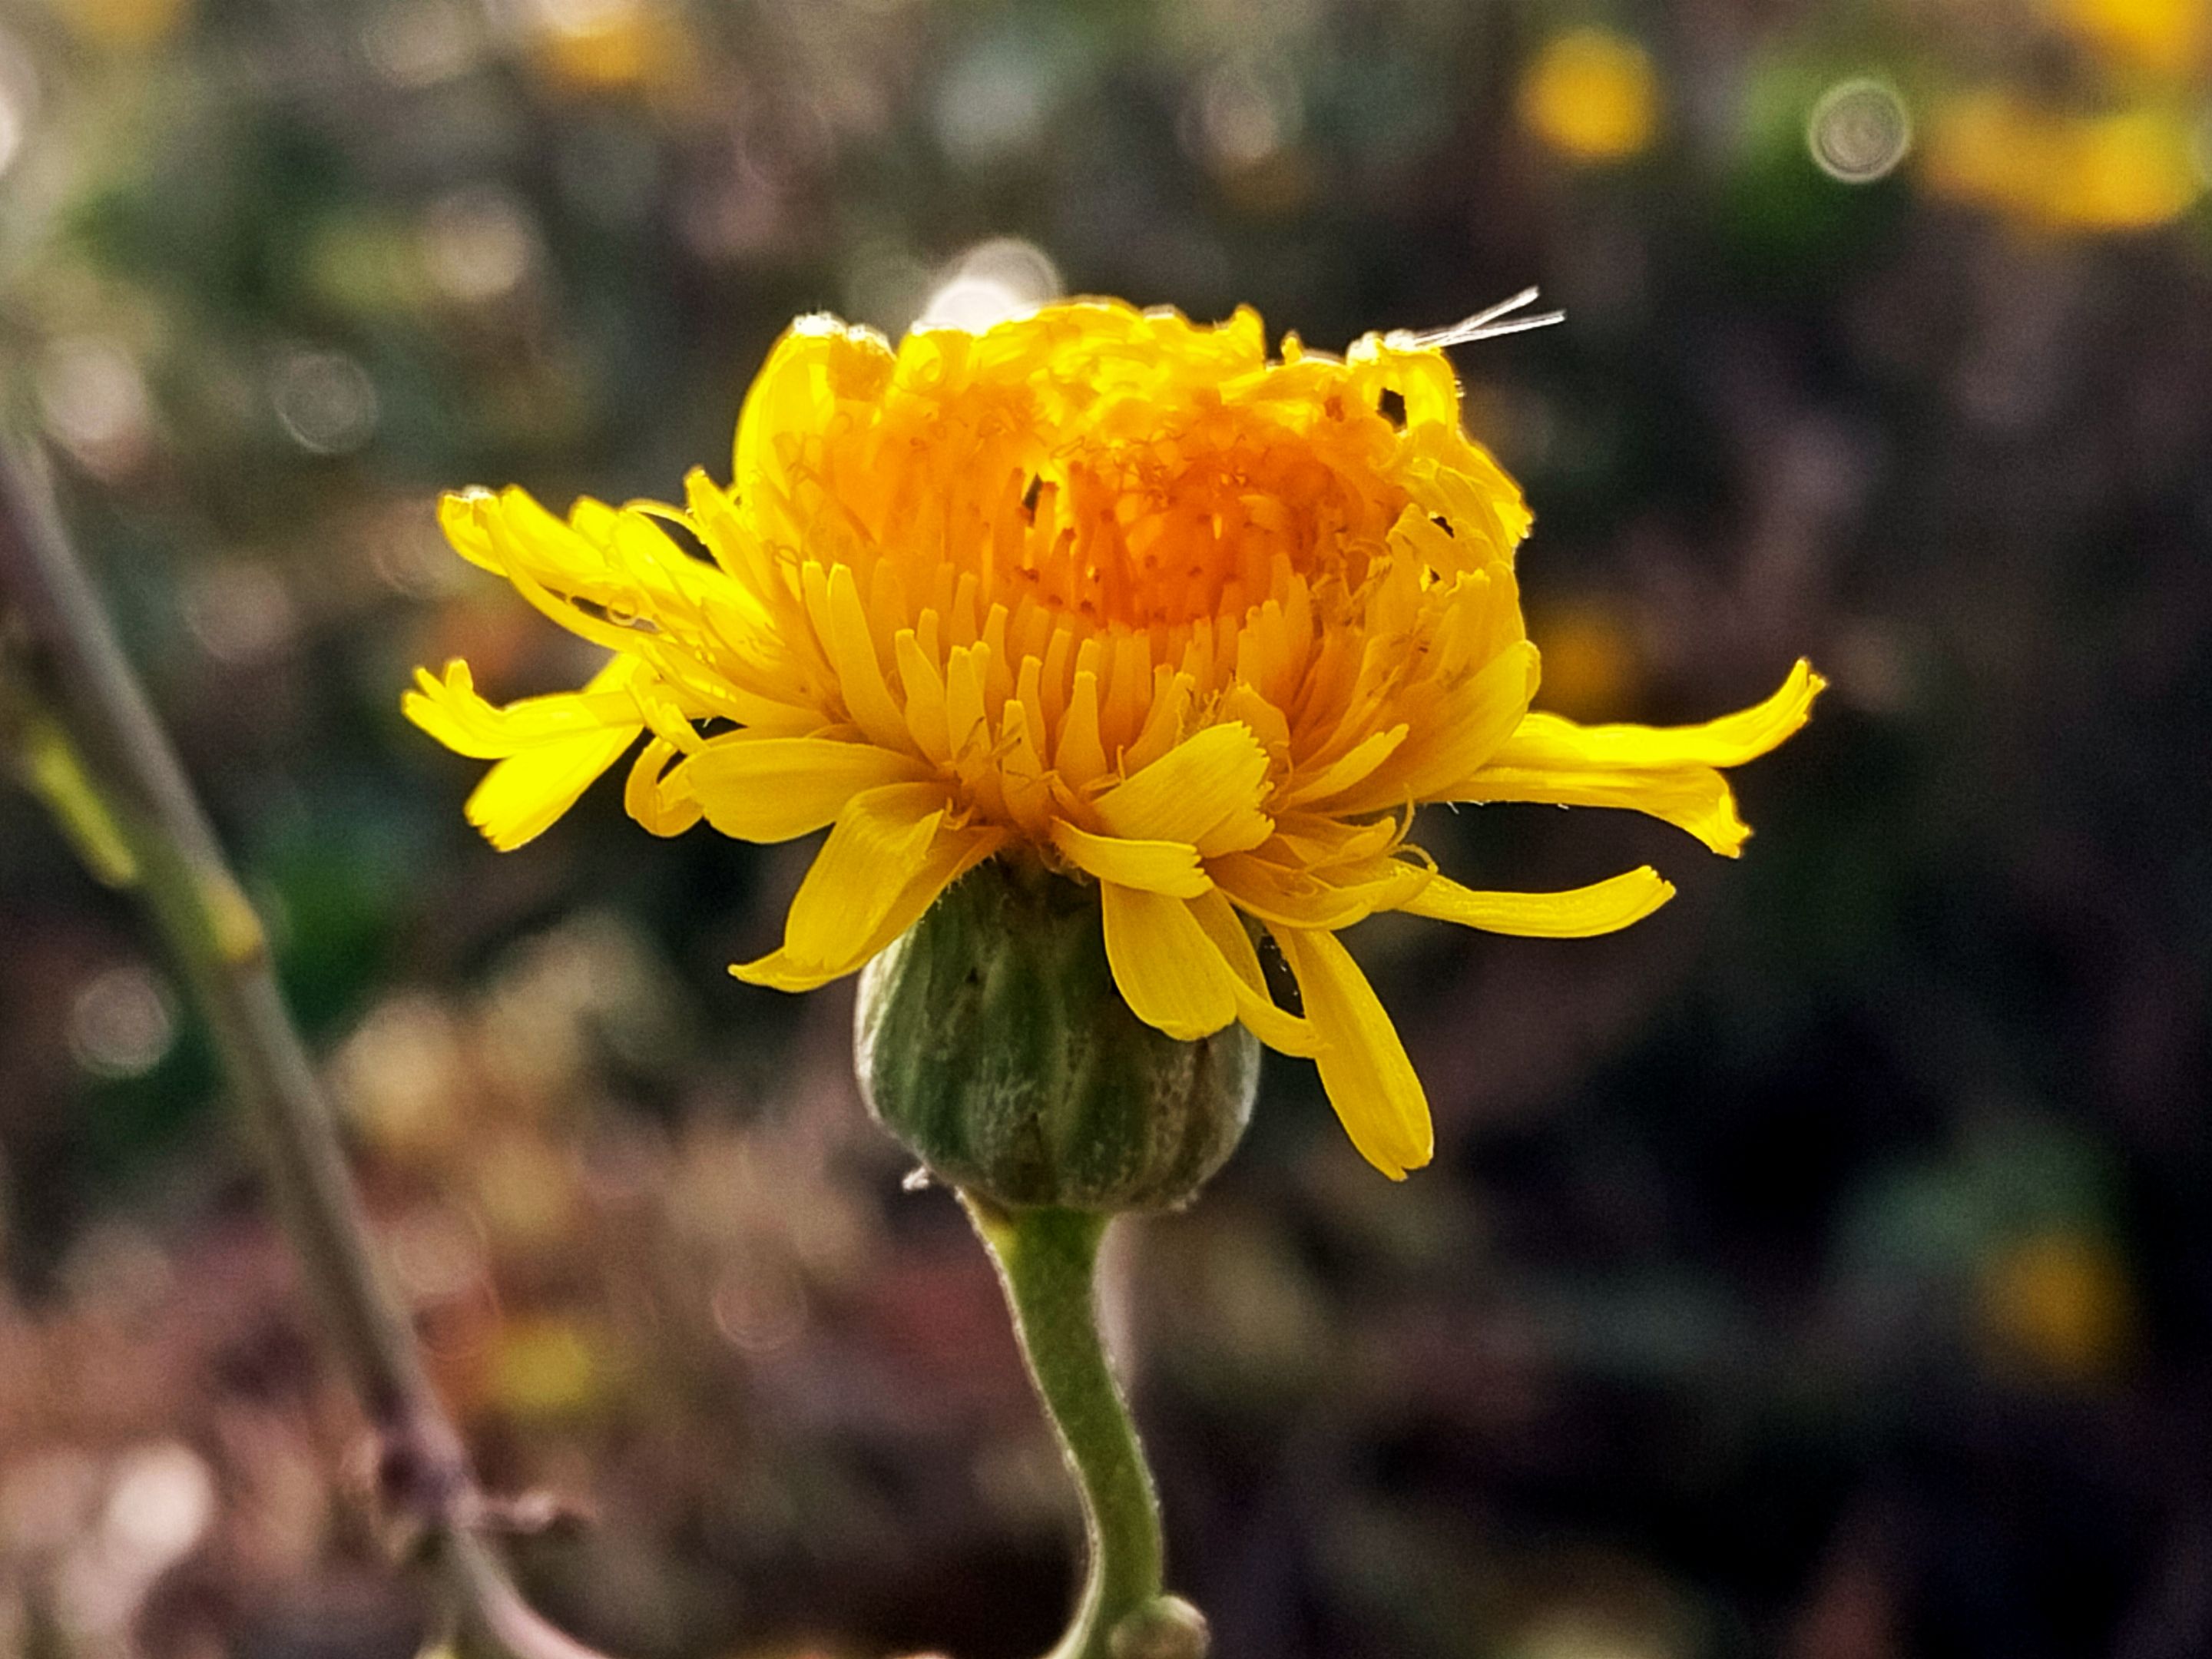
x,y
2161,37
2059,1303
2060,172
1591,95
606,45
126,23
1104,590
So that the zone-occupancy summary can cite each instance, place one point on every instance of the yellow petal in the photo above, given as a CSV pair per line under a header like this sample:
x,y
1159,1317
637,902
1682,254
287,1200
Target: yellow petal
x,y
1666,772
1362,1065
1346,770
924,696
769,789
882,836
1080,756
965,704
1464,728
1206,791
1281,1031
1164,962
659,801
1730,740
1158,866
886,860
1323,896
817,364
452,711
461,516
549,749
859,672
520,798
737,548
1604,907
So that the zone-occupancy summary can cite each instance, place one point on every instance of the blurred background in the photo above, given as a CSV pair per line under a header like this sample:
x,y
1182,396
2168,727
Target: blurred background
x,y
1821,1269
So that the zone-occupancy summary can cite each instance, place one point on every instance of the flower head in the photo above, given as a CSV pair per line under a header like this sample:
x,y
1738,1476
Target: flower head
x,y
1110,592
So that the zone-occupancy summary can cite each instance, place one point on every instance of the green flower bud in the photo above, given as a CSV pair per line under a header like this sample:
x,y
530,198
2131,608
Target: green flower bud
x,y
993,1042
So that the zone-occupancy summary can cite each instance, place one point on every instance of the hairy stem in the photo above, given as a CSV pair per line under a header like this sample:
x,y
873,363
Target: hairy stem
x,y
75,665
1047,1263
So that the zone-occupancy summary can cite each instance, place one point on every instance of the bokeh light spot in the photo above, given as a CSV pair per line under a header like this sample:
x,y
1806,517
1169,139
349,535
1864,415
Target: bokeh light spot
x,y
1859,131
324,400
993,104
162,1501
2128,170
240,612
421,42
1003,277
94,402
760,1307
19,99
590,45
478,244
1243,113
398,1071
120,1022
437,1252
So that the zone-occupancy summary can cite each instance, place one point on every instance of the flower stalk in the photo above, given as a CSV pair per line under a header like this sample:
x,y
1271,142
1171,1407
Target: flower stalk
x,y
1047,1262
77,688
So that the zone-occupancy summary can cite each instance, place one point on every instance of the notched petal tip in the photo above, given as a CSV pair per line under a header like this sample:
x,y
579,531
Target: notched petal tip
x,y
461,507
1398,1167
503,837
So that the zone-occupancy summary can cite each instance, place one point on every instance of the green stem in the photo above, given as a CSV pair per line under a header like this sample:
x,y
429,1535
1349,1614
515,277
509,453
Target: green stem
x,y
115,756
1047,1262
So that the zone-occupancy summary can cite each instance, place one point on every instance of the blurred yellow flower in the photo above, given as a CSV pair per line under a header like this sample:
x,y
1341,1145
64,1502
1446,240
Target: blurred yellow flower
x,y
1591,95
1106,590
2059,1303
2165,37
2060,172
1590,660
125,23
547,1365
597,45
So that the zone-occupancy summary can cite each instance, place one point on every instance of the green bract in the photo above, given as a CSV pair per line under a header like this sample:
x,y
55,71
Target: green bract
x,y
992,1043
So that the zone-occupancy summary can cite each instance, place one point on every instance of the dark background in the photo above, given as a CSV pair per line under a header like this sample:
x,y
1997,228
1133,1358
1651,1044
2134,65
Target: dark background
x,y
1822,1268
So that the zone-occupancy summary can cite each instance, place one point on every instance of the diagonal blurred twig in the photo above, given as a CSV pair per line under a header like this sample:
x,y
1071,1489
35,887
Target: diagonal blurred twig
x,y
75,665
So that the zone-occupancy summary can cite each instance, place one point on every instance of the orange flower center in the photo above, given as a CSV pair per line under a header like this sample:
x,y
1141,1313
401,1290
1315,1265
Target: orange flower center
x,y
1193,523
1155,506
